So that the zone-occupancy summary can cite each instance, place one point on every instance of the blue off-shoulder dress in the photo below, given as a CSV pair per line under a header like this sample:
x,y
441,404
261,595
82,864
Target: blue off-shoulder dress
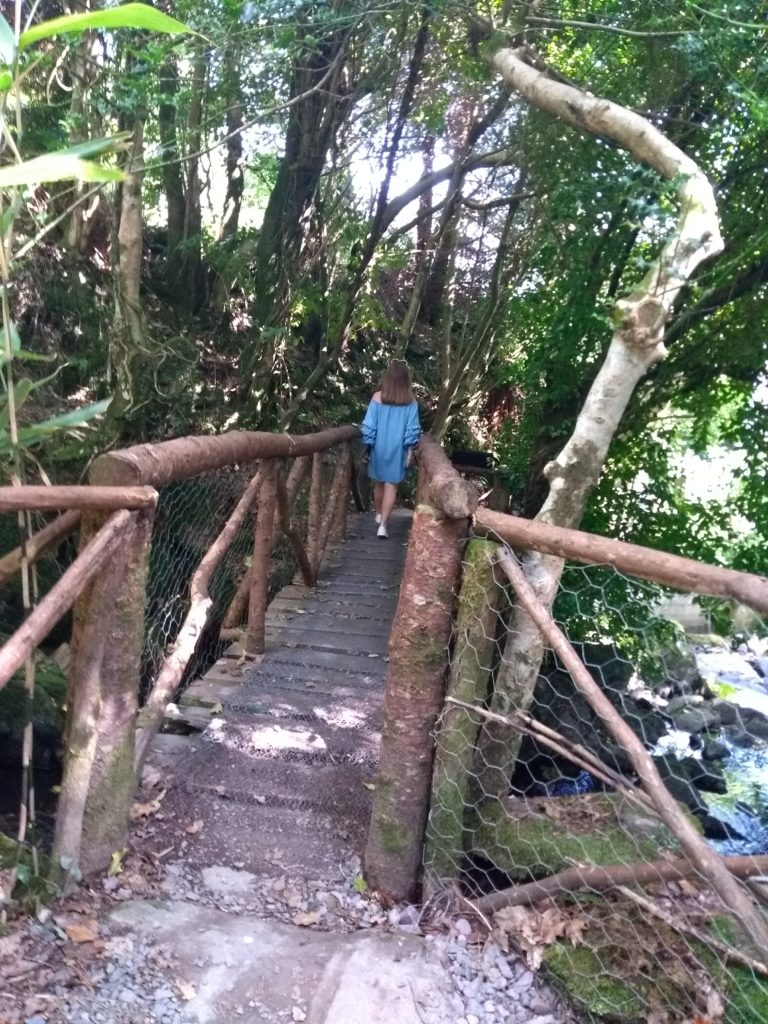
x,y
389,431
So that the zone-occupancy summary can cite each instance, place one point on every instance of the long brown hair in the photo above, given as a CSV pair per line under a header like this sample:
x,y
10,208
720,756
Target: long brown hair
x,y
396,384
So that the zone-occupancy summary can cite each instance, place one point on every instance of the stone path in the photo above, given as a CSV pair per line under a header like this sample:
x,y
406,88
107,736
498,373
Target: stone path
x,y
278,780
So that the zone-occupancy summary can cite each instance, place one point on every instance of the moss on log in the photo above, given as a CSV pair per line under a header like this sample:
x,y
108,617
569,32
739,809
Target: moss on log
x,y
473,656
529,839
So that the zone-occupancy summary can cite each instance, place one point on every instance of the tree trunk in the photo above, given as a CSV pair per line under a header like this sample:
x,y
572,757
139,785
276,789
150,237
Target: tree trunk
x,y
173,181
418,659
191,272
234,120
128,349
637,343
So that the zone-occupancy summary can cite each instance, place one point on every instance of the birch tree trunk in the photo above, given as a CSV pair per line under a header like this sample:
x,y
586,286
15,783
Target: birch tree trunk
x,y
636,344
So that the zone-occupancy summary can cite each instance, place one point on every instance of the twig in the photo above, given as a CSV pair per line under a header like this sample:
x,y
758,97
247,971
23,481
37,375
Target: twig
x,y
557,742
730,952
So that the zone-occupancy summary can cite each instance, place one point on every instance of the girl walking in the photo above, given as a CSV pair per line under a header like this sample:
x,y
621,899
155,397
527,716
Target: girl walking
x,y
390,429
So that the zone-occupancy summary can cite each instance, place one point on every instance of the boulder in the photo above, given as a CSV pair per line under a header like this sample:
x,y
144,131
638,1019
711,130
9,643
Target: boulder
x,y
713,750
680,671
696,719
706,777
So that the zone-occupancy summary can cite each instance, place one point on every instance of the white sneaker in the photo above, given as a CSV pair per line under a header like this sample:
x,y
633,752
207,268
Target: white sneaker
x,y
382,532
378,517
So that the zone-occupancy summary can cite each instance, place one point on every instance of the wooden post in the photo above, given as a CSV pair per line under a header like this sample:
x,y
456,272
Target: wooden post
x,y
418,659
335,492
339,530
474,648
262,546
315,497
92,626
292,533
113,781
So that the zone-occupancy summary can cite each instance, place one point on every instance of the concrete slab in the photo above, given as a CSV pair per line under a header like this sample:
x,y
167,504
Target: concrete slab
x,y
246,969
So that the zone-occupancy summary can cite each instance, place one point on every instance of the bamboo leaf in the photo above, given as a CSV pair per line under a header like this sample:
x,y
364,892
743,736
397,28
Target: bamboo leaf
x,y
66,420
21,392
56,167
137,16
7,42
39,431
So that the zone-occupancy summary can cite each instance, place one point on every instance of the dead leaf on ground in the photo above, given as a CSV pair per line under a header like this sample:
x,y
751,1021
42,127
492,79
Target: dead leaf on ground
x,y
144,810
304,920
186,991
195,827
151,777
533,930
84,931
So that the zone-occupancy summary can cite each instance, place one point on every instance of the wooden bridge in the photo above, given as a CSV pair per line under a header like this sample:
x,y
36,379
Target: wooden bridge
x,y
283,780
319,719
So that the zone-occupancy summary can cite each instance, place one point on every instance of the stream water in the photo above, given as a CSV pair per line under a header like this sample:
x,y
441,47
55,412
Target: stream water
x,y
744,808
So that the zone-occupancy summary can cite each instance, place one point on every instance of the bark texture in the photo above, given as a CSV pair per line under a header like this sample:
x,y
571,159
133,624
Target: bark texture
x,y
418,659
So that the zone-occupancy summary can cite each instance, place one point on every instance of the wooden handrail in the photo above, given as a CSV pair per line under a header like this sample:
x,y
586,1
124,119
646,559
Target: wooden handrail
x,y
185,457
455,497
60,598
647,563
35,497
48,537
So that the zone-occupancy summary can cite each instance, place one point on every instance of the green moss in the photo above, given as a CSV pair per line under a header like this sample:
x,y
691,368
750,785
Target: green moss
x,y
393,836
530,839
582,976
48,706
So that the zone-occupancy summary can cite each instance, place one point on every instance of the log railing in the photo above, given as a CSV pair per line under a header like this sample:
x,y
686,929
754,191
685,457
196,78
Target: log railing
x,y
442,650
107,735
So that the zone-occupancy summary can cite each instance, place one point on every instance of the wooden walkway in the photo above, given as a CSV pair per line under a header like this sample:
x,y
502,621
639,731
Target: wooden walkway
x,y
279,776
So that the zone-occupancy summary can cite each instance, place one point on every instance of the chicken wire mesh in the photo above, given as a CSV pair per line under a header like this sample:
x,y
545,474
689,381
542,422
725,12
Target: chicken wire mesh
x,y
190,515
524,798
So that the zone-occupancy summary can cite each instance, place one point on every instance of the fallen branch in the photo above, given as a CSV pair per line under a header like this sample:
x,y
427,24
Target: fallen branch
x,y
200,604
599,879
709,864
673,921
60,598
48,537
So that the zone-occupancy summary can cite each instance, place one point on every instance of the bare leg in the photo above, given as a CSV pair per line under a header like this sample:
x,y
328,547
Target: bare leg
x,y
378,495
388,500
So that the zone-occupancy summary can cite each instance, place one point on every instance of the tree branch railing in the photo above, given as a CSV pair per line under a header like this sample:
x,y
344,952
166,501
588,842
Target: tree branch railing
x,y
107,585
452,654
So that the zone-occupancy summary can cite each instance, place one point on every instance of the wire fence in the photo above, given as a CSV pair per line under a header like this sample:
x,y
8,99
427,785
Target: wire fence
x,y
533,794
189,517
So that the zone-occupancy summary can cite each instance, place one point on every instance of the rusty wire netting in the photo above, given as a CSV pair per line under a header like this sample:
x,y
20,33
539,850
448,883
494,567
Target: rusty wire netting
x,y
549,793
